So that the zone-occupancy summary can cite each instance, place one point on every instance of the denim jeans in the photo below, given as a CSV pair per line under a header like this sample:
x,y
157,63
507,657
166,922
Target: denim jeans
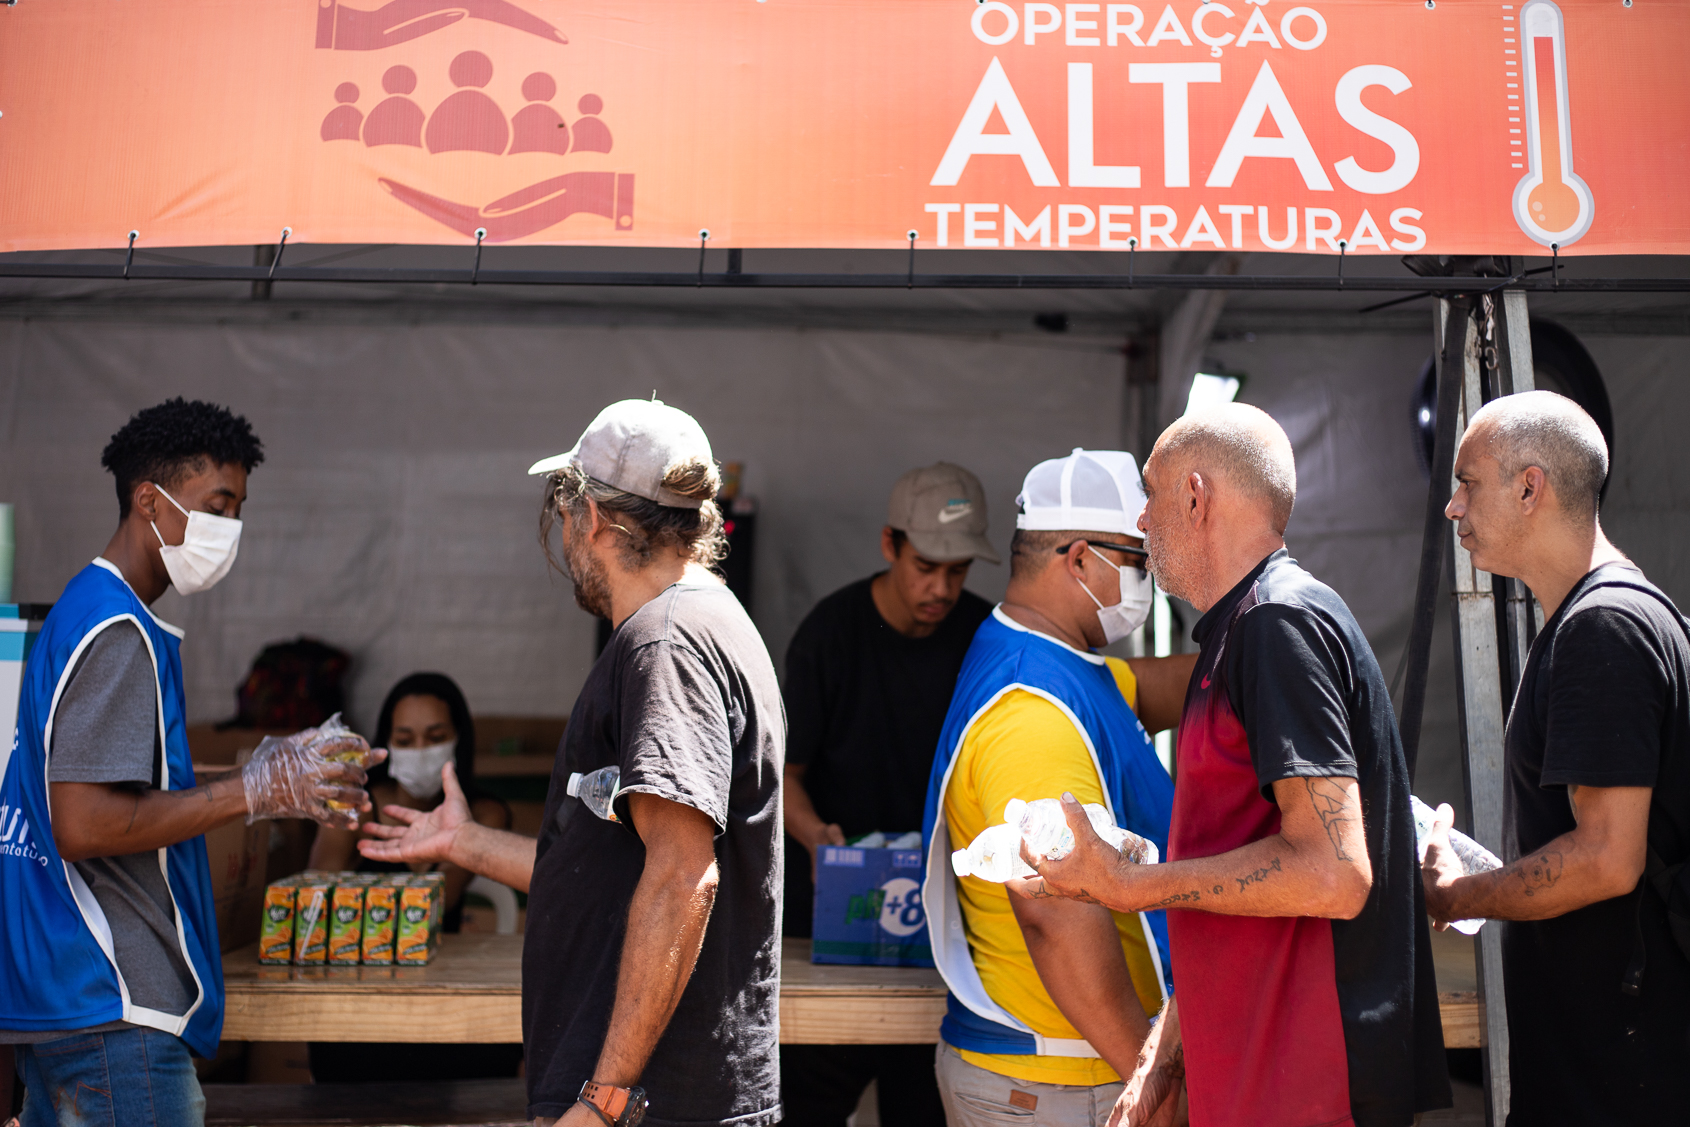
x,y
975,1097
125,1078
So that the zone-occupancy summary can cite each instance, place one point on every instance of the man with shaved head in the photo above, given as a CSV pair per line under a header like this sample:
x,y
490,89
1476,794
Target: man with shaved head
x,y
1596,814
1305,993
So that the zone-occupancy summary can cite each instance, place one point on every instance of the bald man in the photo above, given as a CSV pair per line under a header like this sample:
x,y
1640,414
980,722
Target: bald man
x,y
1597,761
1303,975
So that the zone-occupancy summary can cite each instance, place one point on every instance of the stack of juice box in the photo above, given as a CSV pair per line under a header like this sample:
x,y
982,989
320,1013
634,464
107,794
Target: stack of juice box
x,y
317,918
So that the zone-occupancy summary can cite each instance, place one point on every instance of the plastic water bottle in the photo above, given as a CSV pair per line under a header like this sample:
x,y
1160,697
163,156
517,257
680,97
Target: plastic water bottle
x,y
597,789
1044,828
1474,857
993,856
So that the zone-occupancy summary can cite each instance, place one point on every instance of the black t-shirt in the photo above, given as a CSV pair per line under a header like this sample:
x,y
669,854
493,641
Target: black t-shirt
x,y
1302,682
1604,701
864,707
684,700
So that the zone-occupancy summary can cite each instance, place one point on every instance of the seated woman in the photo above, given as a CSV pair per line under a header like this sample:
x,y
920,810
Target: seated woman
x,y
424,723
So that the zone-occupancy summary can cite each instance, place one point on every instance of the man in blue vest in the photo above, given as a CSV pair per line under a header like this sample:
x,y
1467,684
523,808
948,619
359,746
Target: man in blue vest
x,y
1050,1000
110,972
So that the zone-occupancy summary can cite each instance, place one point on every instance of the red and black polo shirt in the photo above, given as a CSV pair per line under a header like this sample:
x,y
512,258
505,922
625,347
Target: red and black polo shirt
x,y
1299,1022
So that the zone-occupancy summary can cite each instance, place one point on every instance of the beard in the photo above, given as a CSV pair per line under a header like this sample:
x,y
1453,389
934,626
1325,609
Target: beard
x,y
587,573
1178,571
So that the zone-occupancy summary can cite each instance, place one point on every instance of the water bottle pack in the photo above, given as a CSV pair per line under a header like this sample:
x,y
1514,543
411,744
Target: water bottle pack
x,y
995,855
1474,858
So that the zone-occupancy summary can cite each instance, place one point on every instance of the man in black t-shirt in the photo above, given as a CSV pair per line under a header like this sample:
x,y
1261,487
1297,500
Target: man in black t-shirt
x,y
1598,774
652,955
869,677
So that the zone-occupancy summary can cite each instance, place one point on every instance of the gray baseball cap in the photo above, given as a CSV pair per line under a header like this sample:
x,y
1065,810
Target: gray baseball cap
x,y
632,445
942,509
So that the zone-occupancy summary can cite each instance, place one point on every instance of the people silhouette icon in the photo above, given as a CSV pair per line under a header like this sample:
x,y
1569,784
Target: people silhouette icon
x,y
343,121
468,120
537,128
396,120
590,134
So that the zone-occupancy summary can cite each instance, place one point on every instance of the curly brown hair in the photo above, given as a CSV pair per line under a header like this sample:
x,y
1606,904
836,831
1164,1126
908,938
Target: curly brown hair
x,y
646,524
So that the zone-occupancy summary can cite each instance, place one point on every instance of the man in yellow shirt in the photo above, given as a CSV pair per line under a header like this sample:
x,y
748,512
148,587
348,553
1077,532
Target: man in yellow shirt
x,y
1051,1000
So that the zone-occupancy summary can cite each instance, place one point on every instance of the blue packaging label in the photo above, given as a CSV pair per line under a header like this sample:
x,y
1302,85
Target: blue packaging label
x,y
868,908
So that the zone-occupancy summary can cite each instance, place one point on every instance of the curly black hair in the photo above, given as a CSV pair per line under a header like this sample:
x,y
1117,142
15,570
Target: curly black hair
x,y
166,443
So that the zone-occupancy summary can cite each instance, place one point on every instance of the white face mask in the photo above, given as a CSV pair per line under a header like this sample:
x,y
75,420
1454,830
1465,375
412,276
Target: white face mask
x,y
206,553
1129,614
417,769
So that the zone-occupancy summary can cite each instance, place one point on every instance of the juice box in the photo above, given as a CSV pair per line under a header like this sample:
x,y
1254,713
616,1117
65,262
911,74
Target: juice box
x,y
275,935
311,923
381,917
420,911
346,922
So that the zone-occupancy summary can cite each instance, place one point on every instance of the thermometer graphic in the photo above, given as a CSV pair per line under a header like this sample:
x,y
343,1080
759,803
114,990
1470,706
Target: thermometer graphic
x,y
1551,204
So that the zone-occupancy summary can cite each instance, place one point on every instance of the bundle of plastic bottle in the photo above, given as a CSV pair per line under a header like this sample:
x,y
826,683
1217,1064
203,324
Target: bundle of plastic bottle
x,y
996,854
1474,858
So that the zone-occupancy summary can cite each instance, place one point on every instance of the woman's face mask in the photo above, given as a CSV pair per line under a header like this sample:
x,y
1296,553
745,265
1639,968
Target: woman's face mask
x,y
417,769
206,553
1129,614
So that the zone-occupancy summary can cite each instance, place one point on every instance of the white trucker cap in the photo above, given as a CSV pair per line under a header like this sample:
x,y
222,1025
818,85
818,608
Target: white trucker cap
x,y
1088,491
633,445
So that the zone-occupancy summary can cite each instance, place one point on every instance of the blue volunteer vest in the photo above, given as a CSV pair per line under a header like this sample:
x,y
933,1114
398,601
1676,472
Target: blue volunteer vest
x,y
57,970
1006,656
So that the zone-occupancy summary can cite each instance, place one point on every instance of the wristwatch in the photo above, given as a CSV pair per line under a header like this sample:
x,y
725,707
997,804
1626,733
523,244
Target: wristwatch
x,y
618,1107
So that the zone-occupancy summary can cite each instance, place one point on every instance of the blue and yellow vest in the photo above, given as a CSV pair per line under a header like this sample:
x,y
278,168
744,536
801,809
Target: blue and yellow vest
x,y
1005,656
57,969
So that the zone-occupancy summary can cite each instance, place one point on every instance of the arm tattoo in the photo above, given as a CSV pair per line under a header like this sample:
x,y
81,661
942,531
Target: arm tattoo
x,y
1041,891
1334,808
1261,874
1540,872
1191,897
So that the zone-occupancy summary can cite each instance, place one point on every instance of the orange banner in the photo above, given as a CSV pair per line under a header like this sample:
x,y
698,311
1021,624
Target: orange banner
x,y
1382,126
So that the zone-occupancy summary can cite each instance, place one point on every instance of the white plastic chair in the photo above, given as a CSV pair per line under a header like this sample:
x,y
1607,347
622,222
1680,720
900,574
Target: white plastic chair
x,y
503,900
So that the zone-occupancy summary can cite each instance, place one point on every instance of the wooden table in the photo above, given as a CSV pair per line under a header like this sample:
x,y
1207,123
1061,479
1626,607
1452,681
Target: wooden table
x,y
472,992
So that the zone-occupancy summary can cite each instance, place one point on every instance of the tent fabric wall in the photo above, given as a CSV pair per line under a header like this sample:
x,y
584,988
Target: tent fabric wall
x,y
393,516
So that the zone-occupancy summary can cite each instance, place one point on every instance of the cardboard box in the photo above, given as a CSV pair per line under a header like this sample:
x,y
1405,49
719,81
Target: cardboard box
x,y
238,855
868,909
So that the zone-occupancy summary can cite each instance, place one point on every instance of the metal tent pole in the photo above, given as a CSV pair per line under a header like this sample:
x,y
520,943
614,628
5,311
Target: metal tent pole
x,y
1479,693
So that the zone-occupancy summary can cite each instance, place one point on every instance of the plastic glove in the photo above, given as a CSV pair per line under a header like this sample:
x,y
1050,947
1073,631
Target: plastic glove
x,y
316,774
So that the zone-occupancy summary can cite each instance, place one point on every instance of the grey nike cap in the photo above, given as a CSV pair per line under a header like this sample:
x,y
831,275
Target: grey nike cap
x,y
942,509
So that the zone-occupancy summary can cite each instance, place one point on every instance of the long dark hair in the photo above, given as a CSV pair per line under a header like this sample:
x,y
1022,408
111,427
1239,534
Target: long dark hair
x,y
442,688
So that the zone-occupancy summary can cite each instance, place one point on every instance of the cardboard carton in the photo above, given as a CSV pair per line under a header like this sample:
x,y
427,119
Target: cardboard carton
x,y
275,938
868,908
381,920
311,923
346,922
420,910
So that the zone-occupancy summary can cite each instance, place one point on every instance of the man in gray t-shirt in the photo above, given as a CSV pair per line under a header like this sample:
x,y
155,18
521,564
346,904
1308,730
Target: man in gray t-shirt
x,y
108,979
106,731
